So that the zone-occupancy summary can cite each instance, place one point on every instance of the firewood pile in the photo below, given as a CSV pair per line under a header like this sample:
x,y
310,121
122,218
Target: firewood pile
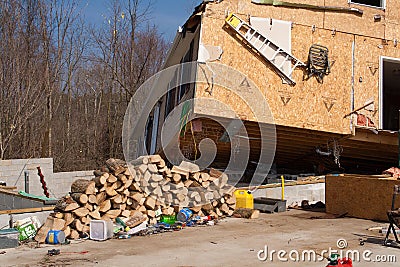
x,y
146,188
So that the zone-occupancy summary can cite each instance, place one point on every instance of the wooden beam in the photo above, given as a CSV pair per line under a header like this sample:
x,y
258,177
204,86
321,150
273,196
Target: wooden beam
x,y
26,210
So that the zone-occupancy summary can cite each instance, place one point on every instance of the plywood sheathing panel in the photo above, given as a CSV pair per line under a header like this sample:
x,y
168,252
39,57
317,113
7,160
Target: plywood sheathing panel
x,y
360,196
309,104
392,20
392,11
300,16
221,9
367,71
350,23
392,31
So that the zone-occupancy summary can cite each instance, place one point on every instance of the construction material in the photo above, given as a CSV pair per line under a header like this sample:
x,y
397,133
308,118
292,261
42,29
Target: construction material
x,y
267,49
361,196
28,210
307,6
270,204
142,192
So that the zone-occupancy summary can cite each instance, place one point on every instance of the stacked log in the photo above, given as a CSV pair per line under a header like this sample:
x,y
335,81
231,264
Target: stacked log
x,y
145,187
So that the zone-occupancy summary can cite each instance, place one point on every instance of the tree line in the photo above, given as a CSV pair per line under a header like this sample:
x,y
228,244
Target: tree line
x,y
65,84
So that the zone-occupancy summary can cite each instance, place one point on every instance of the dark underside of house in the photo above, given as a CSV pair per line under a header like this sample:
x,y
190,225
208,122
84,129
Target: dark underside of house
x,y
297,150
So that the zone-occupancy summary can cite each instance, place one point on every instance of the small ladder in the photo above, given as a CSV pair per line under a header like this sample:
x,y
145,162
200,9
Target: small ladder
x,y
265,47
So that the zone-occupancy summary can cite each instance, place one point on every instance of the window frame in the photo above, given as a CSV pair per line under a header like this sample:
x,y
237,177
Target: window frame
x,y
383,2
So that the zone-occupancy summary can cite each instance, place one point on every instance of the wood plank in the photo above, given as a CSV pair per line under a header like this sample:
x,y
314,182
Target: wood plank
x,y
16,211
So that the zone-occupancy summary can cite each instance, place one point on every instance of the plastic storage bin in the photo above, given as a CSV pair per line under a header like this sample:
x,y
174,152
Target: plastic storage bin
x,y
244,199
101,230
9,238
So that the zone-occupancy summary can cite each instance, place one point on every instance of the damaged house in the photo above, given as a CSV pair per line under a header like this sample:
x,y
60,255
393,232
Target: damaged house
x,y
327,70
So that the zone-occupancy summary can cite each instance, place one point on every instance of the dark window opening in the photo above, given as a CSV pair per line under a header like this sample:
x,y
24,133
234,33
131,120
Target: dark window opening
x,y
391,95
376,3
186,71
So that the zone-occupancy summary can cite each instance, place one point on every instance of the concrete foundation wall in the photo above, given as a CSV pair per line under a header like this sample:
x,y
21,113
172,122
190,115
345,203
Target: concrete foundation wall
x,y
295,193
13,173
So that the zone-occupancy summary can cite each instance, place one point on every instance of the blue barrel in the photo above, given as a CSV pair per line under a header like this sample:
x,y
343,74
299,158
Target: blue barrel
x,y
55,237
184,215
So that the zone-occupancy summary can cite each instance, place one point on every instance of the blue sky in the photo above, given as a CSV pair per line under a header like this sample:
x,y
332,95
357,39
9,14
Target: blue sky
x,y
167,15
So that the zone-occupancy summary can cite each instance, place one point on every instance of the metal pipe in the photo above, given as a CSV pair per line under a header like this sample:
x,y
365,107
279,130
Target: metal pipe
x,y
26,174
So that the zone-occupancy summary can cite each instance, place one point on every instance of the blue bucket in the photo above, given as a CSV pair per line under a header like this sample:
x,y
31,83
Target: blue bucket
x,y
55,237
184,215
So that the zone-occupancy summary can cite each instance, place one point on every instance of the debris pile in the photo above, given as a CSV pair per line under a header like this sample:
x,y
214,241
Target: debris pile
x,y
147,187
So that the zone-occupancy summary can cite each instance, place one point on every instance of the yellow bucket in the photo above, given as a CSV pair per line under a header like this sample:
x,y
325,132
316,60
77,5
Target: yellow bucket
x,y
244,199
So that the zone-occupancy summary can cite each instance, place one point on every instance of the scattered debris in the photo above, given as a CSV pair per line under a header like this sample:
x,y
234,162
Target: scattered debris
x,y
53,252
307,206
393,171
27,227
246,213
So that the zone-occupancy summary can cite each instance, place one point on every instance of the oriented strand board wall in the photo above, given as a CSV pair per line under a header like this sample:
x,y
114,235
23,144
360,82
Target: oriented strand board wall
x,y
360,196
392,20
350,23
309,104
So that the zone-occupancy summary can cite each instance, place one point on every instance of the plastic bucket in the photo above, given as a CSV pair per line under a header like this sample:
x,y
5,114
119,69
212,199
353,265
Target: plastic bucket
x,y
184,215
55,237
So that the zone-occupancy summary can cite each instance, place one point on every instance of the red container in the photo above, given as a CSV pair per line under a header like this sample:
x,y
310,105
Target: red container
x,y
344,262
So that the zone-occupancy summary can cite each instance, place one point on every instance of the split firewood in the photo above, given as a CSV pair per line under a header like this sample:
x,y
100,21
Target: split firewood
x,y
72,206
112,179
246,213
81,212
80,197
77,225
113,213
95,214
152,168
98,173
89,207
80,185
150,203
58,224
67,231
91,188
105,206
189,167
139,161
126,213
69,218
100,197
177,170
74,234
116,166
92,199
155,159
58,215
215,173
